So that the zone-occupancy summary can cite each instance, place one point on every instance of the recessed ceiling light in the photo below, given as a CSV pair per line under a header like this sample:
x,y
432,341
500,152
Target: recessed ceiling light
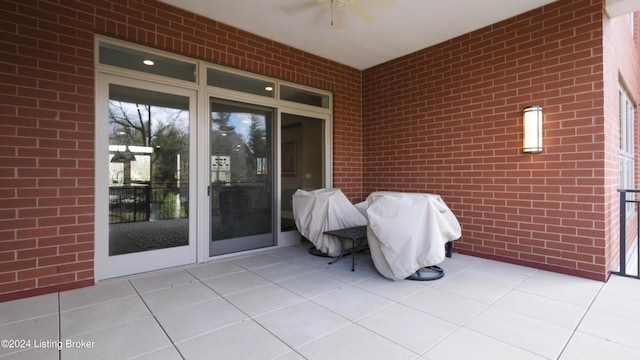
x,y
268,88
148,62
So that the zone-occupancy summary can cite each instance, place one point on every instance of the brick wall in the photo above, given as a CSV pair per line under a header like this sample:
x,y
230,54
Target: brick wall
x,y
448,120
47,120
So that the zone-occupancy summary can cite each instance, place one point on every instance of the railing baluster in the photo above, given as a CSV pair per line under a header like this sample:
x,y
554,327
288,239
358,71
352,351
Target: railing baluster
x,y
623,232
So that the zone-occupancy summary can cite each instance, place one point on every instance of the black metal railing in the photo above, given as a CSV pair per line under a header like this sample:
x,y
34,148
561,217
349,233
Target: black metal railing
x,y
129,204
624,201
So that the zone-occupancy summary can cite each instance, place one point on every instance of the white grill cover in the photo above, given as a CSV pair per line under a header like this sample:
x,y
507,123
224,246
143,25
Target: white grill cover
x,y
322,210
407,232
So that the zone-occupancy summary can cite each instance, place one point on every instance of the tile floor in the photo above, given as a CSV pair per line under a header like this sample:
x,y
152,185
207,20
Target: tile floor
x,y
286,304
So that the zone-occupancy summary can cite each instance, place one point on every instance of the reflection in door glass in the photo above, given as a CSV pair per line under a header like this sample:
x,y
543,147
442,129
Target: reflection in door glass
x,y
148,170
302,161
241,177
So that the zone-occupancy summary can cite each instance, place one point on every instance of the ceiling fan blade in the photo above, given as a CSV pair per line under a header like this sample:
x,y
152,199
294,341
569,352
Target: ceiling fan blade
x,y
360,11
295,9
340,19
384,5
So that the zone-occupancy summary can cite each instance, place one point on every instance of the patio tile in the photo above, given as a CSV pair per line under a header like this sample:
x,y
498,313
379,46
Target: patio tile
x,y
103,315
527,333
621,305
244,340
33,307
354,342
312,284
177,296
194,320
263,299
393,290
408,327
561,287
124,341
587,347
465,344
351,302
161,280
301,323
502,274
101,292
258,260
37,329
214,269
477,290
236,282
611,327
166,353
281,271
542,308
444,305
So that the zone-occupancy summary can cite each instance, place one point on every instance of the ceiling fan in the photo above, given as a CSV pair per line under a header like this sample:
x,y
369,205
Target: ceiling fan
x,y
339,9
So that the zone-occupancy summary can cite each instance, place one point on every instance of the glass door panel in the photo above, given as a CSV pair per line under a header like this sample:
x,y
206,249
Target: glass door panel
x,y
302,160
147,173
241,141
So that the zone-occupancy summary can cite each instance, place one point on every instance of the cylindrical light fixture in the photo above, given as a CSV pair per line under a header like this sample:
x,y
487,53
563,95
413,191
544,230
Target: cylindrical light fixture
x,y
532,127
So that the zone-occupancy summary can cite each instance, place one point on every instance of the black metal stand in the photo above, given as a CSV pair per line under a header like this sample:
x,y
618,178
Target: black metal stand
x,y
355,234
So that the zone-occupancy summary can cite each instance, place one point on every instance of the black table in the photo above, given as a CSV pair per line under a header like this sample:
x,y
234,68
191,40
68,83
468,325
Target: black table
x,y
355,234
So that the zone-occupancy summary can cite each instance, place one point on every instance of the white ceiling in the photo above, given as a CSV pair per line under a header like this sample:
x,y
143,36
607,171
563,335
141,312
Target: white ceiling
x,y
356,40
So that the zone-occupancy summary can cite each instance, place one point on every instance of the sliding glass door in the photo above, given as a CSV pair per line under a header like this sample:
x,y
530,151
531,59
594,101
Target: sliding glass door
x,y
241,177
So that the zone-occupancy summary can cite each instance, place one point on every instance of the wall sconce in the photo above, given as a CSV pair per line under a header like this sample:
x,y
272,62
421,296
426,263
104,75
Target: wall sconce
x,y
532,127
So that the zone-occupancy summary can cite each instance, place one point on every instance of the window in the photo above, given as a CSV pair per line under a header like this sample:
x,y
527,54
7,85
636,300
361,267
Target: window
x,y
627,168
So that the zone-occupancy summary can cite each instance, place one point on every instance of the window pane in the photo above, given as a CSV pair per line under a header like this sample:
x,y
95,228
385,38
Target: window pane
x,y
304,97
126,58
245,84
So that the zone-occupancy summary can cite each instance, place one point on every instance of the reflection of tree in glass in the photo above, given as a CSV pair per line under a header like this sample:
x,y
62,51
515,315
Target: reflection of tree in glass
x,y
242,143
165,132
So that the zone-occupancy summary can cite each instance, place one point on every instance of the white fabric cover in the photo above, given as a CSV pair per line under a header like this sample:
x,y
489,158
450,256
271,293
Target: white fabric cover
x,y
322,210
408,231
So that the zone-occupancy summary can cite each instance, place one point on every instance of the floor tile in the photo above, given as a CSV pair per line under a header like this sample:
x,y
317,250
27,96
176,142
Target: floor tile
x,y
502,274
36,330
166,353
23,309
161,280
311,284
48,353
353,342
280,271
473,289
542,308
196,319
533,335
124,341
351,302
263,299
465,344
623,286
177,296
393,290
444,305
611,327
620,305
561,287
244,340
408,327
301,323
258,260
101,292
587,347
233,283
214,269
106,314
